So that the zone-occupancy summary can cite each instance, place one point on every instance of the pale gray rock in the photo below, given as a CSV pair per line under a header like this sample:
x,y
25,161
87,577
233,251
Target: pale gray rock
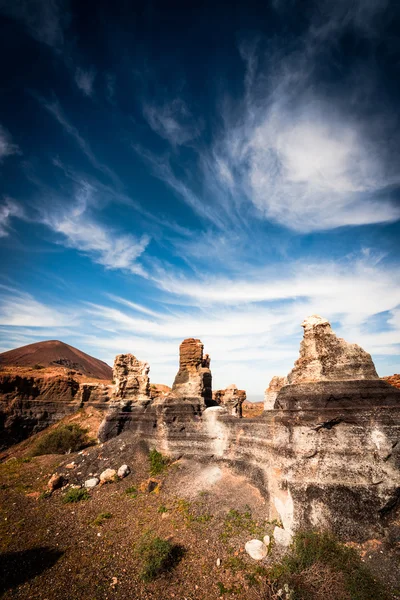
x,y
266,540
123,471
282,537
91,483
256,549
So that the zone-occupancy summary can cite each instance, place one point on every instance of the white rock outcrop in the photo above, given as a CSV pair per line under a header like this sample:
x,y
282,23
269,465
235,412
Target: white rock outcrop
x,y
325,357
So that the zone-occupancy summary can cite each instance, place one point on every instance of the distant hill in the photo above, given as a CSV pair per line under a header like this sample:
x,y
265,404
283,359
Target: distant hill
x,y
54,353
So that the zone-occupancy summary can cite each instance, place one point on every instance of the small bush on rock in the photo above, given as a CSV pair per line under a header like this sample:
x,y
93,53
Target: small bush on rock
x,y
76,495
157,556
101,518
61,440
158,462
318,566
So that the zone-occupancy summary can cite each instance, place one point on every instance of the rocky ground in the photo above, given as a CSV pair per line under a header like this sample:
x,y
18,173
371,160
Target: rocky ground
x,y
52,550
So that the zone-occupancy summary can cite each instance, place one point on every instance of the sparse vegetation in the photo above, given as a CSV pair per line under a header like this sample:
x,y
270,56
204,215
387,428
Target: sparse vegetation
x,y
76,495
158,462
101,518
44,495
192,512
235,522
157,556
162,509
318,566
66,438
37,367
131,491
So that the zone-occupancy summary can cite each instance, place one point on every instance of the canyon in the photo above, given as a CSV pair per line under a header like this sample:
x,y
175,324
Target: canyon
x,y
324,453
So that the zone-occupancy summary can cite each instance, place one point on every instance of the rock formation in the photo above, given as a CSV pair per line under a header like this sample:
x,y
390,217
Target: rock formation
x,y
272,390
325,357
132,383
231,398
332,373
193,379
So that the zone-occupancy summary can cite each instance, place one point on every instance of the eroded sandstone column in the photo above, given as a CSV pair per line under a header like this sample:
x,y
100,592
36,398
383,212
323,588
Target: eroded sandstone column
x,y
131,378
193,379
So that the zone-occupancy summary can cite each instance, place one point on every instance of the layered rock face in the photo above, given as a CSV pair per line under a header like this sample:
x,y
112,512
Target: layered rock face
x,y
231,398
275,385
327,455
30,403
193,379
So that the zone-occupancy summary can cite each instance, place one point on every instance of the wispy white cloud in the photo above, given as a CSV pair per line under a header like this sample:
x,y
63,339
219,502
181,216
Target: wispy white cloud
x,y
173,121
85,80
44,19
105,246
8,209
20,309
7,147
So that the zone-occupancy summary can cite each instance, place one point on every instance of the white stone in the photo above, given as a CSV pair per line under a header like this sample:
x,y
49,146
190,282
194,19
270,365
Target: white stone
x,y
266,540
108,475
91,483
123,471
218,562
256,549
282,537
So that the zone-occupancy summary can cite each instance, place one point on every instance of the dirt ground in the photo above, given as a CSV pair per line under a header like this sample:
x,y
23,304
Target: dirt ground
x,y
51,550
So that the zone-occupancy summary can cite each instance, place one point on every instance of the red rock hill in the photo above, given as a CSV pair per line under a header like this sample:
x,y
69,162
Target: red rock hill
x,y
54,353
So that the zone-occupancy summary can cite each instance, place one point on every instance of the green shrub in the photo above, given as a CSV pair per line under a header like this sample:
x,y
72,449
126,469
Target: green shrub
x,y
61,440
157,556
101,518
131,491
320,556
76,495
158,462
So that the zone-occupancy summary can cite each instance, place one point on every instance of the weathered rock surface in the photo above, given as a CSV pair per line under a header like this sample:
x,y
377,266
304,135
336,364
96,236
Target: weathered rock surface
x,y
325,357
231,398
32,402
108,476
131,376
275,385
193,379
256,549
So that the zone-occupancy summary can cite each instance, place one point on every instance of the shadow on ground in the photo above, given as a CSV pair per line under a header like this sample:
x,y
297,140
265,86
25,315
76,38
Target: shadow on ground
x,y
19,567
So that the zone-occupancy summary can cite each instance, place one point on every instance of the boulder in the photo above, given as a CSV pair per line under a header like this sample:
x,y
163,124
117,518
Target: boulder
x,y
256,549
231,398
123,471
55,482
91,483
108,476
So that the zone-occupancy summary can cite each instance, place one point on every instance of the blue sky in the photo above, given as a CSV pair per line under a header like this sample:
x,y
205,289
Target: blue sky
x,y
173,170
